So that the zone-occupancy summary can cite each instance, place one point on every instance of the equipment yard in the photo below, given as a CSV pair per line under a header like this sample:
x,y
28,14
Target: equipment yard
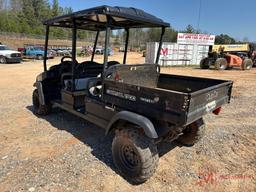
x,y
62,152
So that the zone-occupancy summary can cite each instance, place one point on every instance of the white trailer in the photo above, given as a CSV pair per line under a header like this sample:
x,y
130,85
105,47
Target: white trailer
x,y
190,49
176,54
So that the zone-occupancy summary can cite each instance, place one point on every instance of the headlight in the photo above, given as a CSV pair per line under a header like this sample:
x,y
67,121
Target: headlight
x,y
8,55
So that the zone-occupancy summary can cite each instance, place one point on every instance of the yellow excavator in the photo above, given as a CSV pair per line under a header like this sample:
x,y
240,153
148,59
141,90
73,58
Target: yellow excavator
x,y
228,56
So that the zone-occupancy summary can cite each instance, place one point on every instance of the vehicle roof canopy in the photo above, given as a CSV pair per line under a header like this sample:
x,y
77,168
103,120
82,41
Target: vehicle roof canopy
x,y
96,19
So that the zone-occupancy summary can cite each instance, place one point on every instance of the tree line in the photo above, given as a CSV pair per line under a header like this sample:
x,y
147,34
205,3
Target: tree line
x,y
26,17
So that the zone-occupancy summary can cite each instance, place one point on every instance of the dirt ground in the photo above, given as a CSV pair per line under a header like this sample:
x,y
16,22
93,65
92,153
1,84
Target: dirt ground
x,y
62,152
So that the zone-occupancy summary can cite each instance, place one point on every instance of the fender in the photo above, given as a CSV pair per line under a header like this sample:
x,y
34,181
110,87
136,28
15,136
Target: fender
x,y
39,86
137,119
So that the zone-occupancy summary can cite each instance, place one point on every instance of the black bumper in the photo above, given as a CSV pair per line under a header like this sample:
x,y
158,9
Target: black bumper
x,y
14,60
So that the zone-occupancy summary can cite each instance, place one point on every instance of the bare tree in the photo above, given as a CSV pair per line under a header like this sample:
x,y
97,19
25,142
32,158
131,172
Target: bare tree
x,y
15,5
3,4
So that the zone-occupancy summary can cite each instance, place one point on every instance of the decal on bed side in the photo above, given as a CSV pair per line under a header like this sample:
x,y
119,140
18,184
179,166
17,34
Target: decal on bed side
x,y
121,95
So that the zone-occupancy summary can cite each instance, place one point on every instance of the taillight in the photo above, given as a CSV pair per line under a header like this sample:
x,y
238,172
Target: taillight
x,y
117,77
217,111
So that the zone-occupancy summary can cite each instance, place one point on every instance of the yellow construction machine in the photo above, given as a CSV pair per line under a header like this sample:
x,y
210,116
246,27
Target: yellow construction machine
x,y
227,56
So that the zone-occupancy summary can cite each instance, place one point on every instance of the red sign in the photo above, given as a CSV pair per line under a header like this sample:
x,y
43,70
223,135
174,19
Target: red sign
x,y
189,38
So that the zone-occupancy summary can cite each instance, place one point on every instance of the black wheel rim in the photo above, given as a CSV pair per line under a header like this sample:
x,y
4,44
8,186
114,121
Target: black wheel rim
x,y
222,66
2,60
129,157
248,66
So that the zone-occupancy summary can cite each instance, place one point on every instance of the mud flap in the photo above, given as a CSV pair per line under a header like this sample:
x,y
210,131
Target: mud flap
x,y
39,87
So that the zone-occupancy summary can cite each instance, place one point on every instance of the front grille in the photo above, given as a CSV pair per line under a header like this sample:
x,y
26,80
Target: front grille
x,y
16,55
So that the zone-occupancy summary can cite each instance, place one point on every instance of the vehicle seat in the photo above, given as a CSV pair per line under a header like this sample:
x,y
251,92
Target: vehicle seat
x,y
80,84
111,63
88,69
91,69
86,72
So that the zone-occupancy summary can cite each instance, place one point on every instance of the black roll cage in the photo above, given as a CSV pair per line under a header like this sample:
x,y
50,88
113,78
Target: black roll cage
x,y
109,25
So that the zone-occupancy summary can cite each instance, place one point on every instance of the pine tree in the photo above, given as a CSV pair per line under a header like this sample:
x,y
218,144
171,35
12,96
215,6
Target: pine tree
x,y
28,13
190,29
55,8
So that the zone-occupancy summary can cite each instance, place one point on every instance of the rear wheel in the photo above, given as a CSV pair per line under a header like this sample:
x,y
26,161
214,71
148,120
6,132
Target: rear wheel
x,y
192,133
40,109
2,60
221,64
254,62
39,57
134,154
247,64
204,63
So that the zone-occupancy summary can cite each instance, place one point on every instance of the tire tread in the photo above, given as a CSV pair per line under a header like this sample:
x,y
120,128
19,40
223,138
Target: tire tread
x,y
147,150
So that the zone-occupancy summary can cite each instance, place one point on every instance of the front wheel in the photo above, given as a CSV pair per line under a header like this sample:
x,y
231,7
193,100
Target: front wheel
x,y
221,64
204,63
40,109
247,64
3,60
134,154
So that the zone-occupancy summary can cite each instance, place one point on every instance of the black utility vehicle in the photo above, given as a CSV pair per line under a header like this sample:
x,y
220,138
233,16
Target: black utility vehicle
x,y
142,106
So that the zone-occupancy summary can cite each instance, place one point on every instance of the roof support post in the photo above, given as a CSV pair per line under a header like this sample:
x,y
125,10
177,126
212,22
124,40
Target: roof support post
x,y
160,45
107,37
74,36
126,45
46,46
95,45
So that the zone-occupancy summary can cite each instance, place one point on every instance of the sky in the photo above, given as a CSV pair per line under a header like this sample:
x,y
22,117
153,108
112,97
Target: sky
x,y
233,17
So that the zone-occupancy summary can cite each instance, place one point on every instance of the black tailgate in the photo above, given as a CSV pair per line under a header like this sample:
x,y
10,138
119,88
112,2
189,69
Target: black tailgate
x,y
207,100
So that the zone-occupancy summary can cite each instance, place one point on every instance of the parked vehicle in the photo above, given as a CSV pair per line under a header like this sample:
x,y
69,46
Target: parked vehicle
x,y
9,56
63,52
229,56
110,51
139,104
52,52
121,49
85,52
34,52
100,51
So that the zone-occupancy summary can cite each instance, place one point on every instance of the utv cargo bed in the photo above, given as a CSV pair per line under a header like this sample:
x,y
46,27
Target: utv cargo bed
x,y
179,100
